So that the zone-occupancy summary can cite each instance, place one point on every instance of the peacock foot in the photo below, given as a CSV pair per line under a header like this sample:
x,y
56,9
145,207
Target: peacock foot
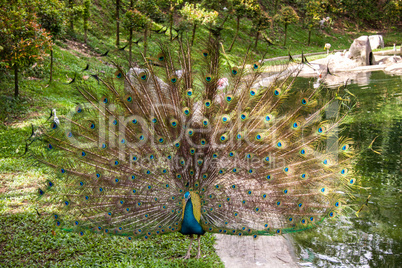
x,y
198,255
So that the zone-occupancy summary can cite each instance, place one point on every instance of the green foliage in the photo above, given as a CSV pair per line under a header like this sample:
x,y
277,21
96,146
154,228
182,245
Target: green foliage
x,y
51,16
287,15
246,8
151,10
134,20
315,11
393,12
23,40
196,14
85,16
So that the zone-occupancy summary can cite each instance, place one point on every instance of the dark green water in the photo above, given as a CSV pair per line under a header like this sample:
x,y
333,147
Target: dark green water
x,y
374,239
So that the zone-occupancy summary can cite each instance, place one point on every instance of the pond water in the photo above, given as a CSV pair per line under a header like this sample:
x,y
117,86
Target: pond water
x,y
374,238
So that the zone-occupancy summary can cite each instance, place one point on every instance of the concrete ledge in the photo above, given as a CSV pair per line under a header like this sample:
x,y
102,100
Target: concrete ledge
x,y
265,251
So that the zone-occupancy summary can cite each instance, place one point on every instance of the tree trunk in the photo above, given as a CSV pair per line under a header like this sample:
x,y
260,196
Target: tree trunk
x,y
309,36
256,39
51,66
192,38
223,22
15,81
117,23
171,21
145,39
71,5
286,31
130,45
237,32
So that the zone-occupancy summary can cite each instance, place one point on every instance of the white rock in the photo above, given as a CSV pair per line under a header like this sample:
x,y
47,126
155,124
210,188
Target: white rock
x,y
376,41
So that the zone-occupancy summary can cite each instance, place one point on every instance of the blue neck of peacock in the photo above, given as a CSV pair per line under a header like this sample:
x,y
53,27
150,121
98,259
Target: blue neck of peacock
x,y
189,224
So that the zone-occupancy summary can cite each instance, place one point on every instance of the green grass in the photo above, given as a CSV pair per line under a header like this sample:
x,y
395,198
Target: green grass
x,y
26,239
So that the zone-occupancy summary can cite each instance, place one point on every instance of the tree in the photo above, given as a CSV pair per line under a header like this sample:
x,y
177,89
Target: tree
x,y
393,12
262,22
133,20
51,17
173,4
195,15
243,8
314,13
118,21
24,42
74,12
287,15
85,16
153,13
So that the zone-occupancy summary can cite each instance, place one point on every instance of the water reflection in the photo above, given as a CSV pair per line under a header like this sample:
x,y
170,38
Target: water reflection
x,y
374,239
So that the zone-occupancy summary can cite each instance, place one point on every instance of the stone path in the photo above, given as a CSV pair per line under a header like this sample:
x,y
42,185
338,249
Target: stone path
x,y
266,251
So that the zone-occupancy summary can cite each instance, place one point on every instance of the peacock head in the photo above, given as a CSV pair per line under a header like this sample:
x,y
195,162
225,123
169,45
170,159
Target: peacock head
x,y
187,196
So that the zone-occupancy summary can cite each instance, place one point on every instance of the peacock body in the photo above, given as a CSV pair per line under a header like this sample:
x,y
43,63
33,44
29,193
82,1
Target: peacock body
x,y
189,142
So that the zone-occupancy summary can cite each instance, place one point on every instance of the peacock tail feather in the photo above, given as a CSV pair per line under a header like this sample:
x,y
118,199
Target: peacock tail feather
x,y
256,160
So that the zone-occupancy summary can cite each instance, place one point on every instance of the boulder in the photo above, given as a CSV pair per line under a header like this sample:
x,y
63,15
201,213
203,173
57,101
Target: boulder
x,y
360,51
376,41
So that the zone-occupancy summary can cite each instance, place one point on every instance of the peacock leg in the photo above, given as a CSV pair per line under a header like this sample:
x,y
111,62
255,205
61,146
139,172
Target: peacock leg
x,y
187,256
199,247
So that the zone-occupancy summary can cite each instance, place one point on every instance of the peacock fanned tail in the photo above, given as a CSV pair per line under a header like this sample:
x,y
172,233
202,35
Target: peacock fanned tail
x,y
255,160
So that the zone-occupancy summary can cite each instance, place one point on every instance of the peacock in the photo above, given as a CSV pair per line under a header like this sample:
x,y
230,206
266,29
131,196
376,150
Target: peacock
x,y
193,142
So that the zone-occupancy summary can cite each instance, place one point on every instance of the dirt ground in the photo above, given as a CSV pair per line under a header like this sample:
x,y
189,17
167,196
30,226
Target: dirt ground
x,y
266,251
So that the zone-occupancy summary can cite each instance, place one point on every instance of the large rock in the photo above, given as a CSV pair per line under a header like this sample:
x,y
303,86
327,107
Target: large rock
x,y
376,41
360,51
